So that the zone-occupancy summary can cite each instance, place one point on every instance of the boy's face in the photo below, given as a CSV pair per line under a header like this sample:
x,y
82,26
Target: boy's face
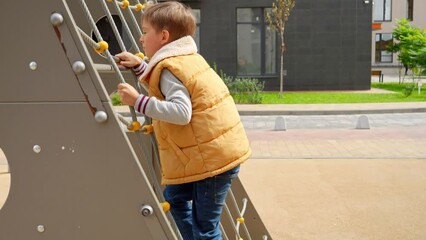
x,y
151,39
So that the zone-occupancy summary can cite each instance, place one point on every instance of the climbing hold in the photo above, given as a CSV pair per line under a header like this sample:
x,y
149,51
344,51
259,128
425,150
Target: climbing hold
x,y
78,67
56,19
139,54
147,210
40,228
33,66
124,4
134,126
166,206
37,148
102,47
139,7
147,129
240,220
101,117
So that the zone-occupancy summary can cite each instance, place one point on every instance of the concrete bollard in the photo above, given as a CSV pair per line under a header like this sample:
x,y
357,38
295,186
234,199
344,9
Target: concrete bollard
x,y
363,122
280,124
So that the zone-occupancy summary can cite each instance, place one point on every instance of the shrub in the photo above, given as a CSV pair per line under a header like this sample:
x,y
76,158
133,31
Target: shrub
x,y
116,99
243,89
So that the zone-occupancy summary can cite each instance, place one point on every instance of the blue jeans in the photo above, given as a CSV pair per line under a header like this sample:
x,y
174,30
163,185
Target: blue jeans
x,y
196,207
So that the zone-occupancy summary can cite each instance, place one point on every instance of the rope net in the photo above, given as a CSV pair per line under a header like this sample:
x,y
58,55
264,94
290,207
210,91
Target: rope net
x,y
102,47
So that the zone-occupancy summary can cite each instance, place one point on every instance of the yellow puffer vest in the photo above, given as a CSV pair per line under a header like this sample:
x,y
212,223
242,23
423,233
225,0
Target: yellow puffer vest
x,y
215,140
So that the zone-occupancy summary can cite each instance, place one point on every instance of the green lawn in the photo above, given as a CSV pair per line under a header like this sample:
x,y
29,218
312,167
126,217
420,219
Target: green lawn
x,y
347,97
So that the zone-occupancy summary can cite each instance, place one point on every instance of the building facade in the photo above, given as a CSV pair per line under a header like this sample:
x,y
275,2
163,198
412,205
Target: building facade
x,y
385,15
328,44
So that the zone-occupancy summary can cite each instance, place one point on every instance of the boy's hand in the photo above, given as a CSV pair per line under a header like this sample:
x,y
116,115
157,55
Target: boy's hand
x,y
127,93
129,60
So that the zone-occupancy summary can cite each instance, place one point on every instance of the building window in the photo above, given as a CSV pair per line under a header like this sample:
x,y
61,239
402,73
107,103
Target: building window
x,y
197,15
382,10
256,43
382,41
410,10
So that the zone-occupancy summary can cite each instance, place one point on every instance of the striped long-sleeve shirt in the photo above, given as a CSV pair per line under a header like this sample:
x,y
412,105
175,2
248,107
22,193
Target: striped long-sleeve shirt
x,y
176,108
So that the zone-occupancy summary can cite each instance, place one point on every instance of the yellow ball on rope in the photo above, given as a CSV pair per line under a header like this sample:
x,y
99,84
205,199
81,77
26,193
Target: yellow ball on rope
x,y
138,7
147,129
102,47
166,206
124,4
134,126
139,54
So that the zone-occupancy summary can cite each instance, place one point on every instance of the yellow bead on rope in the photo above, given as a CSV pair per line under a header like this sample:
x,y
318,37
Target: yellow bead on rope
x,y
139,54
240,220
124,4
147,129
166,206
134,126
138,7
102,47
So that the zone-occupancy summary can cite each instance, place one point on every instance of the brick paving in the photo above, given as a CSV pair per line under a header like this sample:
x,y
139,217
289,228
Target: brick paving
x,y
333,183
339,143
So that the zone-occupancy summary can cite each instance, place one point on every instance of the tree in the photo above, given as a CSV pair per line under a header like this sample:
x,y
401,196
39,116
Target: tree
x,y
276,19
410,44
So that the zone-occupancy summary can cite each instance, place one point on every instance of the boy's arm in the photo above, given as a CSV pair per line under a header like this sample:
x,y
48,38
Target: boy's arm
x,y
139,69
176,108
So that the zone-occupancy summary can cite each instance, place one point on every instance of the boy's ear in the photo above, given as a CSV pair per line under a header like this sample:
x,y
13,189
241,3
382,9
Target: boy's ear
x,y
165,36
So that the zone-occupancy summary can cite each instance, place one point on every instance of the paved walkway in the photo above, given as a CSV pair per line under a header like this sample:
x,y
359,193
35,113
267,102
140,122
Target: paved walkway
x,y
333,183
339,199
390,143
339,183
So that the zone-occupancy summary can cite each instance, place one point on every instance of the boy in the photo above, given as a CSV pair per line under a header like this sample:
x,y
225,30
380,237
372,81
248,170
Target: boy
x,y
200,136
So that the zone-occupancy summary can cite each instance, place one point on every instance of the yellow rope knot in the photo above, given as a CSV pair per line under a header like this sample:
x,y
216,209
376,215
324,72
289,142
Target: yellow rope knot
x,y
139,54
102,47
134,126
240,219
138,7
147,129
124,4
166,206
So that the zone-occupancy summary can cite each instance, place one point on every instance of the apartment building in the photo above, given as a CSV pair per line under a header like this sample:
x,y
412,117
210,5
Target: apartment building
x,y
327,41
385,15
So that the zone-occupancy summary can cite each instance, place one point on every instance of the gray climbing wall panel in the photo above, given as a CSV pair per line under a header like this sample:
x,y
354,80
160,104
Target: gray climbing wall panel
x,y
73,177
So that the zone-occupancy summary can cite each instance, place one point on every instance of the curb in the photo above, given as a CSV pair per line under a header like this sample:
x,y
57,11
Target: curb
x,y
331,109
317,109
329,112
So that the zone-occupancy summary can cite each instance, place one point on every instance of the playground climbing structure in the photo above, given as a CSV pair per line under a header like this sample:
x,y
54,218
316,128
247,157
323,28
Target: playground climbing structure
x,y
79,168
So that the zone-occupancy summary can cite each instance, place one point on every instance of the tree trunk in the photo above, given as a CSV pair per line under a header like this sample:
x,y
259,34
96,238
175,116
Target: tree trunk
x,y
282,64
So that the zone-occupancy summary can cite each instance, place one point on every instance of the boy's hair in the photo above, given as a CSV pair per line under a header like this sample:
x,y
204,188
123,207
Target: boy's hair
x,y
171,16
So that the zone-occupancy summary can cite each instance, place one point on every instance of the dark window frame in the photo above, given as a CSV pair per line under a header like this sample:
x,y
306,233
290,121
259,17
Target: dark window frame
x,y
384,12
379,49
410,10
262,26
